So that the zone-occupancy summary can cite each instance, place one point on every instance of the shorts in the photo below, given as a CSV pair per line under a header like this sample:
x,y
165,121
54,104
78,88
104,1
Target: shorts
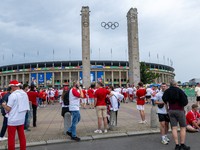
x,y
198,98
125,95
176,116
147,97
83,100
43,100
152,100
52,98
163,117
56,97
64,110
101,111
131,95
91,100
140,107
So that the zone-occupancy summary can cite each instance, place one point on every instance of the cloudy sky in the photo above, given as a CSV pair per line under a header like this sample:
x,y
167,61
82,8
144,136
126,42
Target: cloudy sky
x,y
169,28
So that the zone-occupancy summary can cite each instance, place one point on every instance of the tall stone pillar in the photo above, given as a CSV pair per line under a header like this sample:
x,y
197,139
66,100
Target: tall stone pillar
x,y
133,47
1,81
85,45
6,81
29,79
61,79
104,78
112,74
127,79
17,77
96,80
45,79
70,78
23,78
120,77
37,84
53,78
11,77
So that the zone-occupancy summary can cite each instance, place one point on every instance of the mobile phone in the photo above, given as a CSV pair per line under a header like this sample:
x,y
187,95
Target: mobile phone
x,y
76,86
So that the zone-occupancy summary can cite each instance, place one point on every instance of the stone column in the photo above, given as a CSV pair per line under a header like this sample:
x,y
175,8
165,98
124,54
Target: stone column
x,y
133,47
127,79
23,78
17,77
163,77
6,81
61,79
79,76
112,78
1,81
104,77
96,80
45,79
11,77
37,84
29,80
85,46
53,78
120,77
70,78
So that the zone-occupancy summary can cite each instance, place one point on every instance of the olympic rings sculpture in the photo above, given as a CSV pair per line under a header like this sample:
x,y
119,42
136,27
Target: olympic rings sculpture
x,y
110,25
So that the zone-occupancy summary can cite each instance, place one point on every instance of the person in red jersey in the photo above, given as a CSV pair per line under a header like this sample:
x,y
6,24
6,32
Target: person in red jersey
x,y
141,101
56,95
90,92
32,95
40,97
84,99
44,98
101,108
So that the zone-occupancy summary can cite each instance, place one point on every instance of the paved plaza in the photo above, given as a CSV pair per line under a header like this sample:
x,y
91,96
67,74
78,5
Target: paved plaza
x,y
50,123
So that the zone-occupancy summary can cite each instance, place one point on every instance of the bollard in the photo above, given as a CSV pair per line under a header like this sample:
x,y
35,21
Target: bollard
x,y
67,121
30,115
189,108
113,121
153,118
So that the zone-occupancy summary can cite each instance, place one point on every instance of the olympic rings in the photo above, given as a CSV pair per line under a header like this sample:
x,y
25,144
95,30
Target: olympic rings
x,y
110,25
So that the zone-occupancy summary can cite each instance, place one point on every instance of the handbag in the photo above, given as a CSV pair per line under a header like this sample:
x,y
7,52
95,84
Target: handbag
x,y
107,101
142,97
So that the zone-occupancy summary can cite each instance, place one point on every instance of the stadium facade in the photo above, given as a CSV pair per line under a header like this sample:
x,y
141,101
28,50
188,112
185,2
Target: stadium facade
x,y
63,73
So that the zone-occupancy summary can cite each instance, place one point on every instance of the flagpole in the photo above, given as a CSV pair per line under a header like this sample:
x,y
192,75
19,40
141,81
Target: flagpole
x,y
53,54
99,53
111,53
12,58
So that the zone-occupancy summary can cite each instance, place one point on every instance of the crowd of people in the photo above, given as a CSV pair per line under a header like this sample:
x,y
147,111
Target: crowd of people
x,y
20,104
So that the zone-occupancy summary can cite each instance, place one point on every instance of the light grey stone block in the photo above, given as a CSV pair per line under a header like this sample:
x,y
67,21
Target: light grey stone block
x,y
67,121
139,133
36,143
109,136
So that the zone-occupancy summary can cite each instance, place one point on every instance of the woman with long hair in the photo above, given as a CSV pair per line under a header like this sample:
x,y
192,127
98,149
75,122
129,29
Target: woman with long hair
x,y
65,108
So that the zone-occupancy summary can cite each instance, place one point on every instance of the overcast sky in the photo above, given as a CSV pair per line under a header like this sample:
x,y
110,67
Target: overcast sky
x,y
169,28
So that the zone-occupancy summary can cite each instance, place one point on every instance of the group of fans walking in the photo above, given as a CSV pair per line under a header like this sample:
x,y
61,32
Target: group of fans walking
x,y
20,104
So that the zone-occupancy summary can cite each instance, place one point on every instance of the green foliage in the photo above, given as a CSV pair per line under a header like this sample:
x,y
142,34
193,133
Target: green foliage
x,y
147,76
179,82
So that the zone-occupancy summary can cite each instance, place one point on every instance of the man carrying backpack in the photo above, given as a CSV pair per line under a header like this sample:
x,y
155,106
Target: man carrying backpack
x,y
74,97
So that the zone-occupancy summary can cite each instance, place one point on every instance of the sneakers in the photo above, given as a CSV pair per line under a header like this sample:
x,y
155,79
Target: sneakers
x,y
142,122
105,131
177,147
98,131
75,138
166,138
184,147
68,133
164,142
3,138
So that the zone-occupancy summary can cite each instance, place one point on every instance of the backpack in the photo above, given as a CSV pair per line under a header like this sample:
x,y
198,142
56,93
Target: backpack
x,y
66,98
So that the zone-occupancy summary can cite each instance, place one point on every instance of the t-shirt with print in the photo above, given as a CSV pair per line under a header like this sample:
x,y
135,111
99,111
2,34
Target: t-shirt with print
x,y
40,94
101,94
140,93
151,92
44,95
158,98
130,91
90,93
192,116
84,94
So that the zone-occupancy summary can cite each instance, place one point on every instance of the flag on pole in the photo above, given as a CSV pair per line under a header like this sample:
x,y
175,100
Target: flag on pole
x,y
53,51
91,51
12,55
24,55
164,57
157,56
3,57
111,50
149,54
70,51
38,52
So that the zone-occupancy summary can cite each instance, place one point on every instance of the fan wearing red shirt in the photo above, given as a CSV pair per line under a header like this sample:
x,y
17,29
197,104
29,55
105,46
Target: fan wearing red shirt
x,y
90,93
40,97
84,99
56,95
32,95
193,119
44,98
141,101
100,104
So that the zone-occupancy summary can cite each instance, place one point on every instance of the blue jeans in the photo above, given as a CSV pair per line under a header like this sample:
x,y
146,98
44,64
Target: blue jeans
x,y
38,101
4,127
76,117
26,119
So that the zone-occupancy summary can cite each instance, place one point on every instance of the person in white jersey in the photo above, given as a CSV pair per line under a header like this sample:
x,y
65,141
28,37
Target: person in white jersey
x,y
130,93
148,95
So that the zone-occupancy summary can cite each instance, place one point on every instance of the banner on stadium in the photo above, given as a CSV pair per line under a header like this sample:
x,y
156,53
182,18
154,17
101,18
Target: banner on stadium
x,y
49,78
34,78
40,78
81,78
100,77
92,77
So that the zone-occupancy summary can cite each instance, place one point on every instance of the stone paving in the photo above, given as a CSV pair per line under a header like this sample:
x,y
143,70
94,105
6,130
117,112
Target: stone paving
x,y
50,123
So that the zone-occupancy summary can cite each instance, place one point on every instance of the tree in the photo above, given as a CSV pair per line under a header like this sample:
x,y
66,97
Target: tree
x,y
146,75
179,82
